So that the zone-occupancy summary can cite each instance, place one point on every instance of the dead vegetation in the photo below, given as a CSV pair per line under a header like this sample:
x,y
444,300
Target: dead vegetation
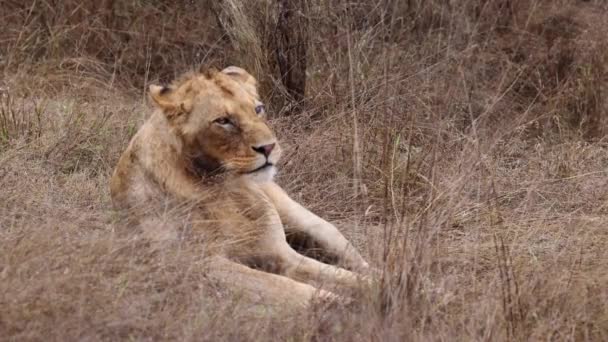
x,y
460,143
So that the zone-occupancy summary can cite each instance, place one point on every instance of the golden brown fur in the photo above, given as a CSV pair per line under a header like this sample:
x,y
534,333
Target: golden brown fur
x,y
208,145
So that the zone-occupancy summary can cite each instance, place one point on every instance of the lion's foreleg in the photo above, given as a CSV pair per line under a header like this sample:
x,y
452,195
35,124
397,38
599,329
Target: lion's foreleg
x,y
306,269
324,233
263,287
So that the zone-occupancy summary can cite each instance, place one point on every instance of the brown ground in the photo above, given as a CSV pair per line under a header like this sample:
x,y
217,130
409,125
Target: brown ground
x,y
462,147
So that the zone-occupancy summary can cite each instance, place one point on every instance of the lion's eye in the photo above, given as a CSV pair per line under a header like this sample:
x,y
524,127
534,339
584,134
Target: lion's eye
x,y
260,109
223,121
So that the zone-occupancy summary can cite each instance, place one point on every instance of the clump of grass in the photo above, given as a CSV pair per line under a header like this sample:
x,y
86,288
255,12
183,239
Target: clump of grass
x,y
19,118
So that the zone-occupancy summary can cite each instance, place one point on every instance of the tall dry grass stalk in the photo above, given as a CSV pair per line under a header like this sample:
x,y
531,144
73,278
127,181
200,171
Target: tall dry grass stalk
x,y
460,144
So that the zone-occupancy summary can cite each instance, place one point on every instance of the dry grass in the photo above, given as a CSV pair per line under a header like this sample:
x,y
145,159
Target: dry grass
x,y
461,145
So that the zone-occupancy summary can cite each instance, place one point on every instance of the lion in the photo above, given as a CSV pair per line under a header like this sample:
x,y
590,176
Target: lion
x,y
208,144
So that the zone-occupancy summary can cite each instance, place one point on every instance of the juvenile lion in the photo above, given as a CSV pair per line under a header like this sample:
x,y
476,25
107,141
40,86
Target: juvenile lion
x,y
208,144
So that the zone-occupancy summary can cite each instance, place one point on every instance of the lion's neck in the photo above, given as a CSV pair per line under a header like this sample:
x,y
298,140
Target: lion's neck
x,y
204,167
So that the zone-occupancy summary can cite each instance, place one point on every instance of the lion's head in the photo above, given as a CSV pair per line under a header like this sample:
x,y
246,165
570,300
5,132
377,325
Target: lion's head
x,y
220,122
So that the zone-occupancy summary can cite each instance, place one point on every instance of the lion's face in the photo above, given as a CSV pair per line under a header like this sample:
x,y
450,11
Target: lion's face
x,y
220,121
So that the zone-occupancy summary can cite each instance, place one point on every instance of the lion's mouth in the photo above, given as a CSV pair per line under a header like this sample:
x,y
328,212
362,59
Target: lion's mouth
x,y
266,165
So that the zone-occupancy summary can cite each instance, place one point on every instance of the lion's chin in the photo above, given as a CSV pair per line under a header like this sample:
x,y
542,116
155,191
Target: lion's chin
x,y
265,166
263,174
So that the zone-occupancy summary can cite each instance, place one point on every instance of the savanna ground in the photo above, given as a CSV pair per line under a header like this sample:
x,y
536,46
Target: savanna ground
x,y
461,144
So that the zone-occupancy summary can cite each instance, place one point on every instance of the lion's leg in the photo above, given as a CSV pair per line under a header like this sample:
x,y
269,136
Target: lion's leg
x,y
272,247
267,288
326,235
302,268
265,246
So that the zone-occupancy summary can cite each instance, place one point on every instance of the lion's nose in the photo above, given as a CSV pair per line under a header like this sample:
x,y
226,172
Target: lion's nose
x,y
264,149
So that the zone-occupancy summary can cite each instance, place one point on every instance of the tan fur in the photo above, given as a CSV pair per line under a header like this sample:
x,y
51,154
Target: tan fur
x,y
204,146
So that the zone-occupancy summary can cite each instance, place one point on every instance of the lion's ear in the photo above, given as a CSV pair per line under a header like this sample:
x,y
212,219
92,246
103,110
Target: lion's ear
x,y
239,74
242,76
160,96
167,100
